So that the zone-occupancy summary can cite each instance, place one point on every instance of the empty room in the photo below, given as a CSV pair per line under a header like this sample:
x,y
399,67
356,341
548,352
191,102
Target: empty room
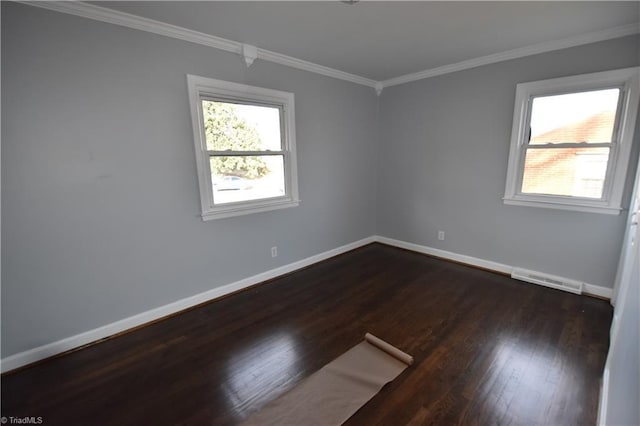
x,y
320,213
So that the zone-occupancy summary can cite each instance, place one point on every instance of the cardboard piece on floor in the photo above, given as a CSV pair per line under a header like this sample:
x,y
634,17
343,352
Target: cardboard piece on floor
x,y
336,391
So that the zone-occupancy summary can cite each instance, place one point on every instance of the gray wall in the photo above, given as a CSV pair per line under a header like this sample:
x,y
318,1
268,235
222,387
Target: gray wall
x,y
443,163
624,382
100,196
99,187
624,352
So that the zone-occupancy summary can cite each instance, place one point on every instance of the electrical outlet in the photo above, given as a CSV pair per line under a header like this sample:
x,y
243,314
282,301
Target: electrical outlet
x,y
441,235
274,251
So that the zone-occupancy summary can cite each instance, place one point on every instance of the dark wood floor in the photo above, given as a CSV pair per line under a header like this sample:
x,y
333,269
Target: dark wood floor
x,y
488,350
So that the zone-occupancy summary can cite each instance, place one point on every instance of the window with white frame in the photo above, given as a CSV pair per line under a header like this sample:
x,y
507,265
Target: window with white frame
x,y
571,140
245,147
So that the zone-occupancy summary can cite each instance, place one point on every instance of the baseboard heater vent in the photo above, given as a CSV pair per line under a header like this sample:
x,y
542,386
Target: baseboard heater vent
x,y
547,280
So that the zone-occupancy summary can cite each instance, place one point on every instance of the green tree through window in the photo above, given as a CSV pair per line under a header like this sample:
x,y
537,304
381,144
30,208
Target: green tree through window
x,y
226,130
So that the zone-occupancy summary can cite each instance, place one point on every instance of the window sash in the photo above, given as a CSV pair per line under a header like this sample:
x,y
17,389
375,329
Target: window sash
x,y
242,101
285,159
525,145
606,185
570,145
207,89
622,94
608,177
628,81
244,153
285,153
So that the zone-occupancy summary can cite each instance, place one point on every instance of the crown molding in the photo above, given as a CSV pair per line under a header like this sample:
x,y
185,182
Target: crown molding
x,y
98,13
301,64
593,37
128,20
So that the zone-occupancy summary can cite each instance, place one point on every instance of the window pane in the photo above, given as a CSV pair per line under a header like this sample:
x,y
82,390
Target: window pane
x,y
240,127
574,118
244,178
576,172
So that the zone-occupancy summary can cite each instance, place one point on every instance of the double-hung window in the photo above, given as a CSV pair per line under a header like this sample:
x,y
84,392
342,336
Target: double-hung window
x,y
571,140
245,147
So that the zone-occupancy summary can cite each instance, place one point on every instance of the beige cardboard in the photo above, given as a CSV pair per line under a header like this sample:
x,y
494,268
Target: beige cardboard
x,y
336,391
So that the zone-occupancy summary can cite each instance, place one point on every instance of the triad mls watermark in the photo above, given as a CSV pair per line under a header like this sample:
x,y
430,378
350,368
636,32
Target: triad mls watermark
x,y
26,420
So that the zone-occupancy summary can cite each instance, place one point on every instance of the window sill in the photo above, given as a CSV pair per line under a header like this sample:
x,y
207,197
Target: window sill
x,y
573,206
248,208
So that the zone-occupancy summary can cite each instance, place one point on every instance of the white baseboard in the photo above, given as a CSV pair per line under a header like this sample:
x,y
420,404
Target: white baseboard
x,y
41,352
596,290
45,351
590,289
474,261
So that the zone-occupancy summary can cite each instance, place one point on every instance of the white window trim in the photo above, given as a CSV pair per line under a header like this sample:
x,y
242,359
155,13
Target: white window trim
x,y
628,79
202,88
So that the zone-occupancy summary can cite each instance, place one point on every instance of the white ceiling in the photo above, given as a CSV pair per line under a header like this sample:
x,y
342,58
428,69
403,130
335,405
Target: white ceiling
x,y
382,40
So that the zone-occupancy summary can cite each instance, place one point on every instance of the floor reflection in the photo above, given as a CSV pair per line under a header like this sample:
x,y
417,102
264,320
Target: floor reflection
x,y
261,371
524,377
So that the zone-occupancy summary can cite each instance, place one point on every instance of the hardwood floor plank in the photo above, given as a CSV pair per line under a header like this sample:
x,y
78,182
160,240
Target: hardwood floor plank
x,y
487,349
